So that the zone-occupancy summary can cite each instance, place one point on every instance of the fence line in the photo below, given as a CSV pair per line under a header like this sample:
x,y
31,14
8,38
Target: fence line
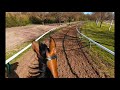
x,y
99,45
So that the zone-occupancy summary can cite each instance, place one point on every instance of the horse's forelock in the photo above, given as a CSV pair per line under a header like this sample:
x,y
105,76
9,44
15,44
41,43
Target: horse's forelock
x,y
42,49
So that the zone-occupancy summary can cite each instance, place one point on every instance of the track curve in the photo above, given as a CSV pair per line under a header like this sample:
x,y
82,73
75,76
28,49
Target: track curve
x,y
73,59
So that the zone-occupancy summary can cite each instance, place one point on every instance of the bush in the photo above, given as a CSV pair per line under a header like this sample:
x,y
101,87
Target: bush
x,y
13,20
35,20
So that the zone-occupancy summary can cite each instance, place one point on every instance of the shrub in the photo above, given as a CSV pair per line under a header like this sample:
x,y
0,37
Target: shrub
x,y
13,20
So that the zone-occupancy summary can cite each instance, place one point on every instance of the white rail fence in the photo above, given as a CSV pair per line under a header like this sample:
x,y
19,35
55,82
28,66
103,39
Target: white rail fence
x,y
28,46
99,45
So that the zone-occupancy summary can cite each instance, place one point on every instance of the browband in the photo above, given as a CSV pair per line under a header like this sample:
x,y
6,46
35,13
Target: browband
x,y
52,57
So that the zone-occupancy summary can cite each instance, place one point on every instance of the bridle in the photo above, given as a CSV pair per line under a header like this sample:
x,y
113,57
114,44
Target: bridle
x,y
47,58
52,57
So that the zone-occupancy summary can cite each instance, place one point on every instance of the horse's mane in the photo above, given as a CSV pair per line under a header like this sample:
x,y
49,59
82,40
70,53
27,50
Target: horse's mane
x,y
44,71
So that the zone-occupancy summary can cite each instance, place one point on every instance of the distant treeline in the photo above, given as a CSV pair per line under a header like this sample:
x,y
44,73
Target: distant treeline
x,y
23,18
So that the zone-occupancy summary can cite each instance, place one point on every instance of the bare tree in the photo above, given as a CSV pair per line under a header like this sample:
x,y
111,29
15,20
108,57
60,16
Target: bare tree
x,y
96,17
101,16
110,18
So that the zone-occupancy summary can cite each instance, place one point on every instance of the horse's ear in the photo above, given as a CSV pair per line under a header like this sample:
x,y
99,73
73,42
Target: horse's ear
x,y
52,64
52,45
35,46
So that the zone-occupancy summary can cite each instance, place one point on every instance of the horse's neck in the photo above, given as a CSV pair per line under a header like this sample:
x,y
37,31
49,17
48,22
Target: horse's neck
x,y
44,70
52,65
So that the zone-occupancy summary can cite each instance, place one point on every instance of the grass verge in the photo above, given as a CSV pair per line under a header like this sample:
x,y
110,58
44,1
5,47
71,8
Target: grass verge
x,y
102,35
18,48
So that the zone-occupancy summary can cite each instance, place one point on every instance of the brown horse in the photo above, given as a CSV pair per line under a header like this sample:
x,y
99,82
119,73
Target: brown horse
x,y
47,59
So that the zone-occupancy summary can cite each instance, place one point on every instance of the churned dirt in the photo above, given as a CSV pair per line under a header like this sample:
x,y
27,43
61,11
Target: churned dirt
x,y
73,58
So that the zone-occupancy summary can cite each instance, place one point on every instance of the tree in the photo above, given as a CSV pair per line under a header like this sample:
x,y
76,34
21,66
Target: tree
x,y
101,16
96,17
57,16
110,17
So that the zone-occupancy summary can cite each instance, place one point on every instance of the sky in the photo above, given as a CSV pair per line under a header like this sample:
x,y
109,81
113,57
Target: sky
x,y
87,12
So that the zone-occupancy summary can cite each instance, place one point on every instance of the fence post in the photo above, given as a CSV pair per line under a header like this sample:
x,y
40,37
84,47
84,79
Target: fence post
x,y
90,43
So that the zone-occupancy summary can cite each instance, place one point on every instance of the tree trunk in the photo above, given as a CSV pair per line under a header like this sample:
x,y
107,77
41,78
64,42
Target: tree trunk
x,y
97,22
101,23
110,25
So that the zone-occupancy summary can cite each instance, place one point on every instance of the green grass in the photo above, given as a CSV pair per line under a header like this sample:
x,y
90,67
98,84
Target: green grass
x,y
106,59
18,48
15,59
101,35
16,20
104,37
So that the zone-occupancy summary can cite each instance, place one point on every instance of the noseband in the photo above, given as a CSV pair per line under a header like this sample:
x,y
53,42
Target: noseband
x,y
43,55
45,68
43,60
52,57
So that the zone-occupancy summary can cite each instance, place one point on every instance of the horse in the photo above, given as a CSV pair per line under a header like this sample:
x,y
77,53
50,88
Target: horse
x,y
47,59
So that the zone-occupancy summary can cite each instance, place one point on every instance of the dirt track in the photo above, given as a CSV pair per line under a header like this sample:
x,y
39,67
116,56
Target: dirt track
x,y
16,36
73,59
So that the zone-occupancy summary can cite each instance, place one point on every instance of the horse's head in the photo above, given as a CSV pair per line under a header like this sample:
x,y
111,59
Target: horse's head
x,y
52,58
47,55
